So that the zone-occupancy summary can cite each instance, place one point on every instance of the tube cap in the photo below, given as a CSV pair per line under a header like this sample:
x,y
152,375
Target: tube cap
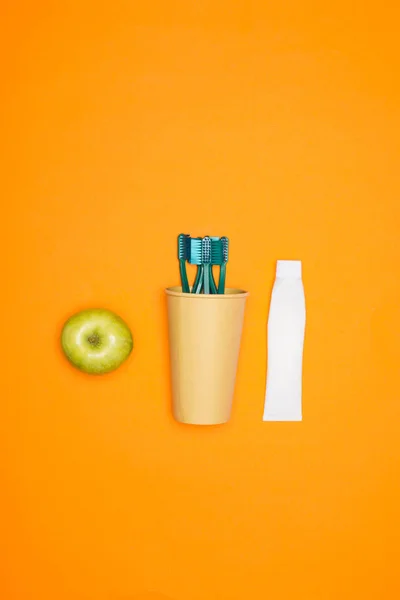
x,y
288,269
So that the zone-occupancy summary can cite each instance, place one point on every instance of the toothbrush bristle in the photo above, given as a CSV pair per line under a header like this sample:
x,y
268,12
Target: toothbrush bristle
x,y
216,251
225,248
198,251
194,252
206,250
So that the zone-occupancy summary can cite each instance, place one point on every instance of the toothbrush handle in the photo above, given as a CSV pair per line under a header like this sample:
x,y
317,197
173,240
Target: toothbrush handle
x,y
207,279
222,277
213,285
184,279
199,280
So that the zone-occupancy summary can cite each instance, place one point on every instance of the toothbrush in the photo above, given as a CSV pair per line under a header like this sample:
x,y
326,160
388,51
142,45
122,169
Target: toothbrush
x,y
216,258
201,254
194,258
183,240
206,260
222,273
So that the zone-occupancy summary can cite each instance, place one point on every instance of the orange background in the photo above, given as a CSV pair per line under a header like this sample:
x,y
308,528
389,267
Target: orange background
x,y
125,125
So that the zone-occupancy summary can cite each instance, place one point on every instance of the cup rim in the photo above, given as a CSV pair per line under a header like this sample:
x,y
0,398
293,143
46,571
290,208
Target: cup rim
x,y
230,294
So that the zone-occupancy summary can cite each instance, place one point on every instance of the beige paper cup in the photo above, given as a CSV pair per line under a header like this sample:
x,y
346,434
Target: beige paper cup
x,y
204,338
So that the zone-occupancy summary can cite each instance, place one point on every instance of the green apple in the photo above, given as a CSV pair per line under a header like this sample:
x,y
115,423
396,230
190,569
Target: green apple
x,y
96,341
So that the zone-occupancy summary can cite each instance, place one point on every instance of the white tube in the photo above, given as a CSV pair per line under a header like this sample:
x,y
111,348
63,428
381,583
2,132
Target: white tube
x,y
286,326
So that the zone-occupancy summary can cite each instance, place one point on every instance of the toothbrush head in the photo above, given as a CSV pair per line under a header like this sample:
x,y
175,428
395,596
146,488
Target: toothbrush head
x,y
225,248
206,250
194,253
216,251
183,246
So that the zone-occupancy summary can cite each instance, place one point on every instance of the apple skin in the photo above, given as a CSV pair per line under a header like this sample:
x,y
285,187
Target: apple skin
x,y
96,341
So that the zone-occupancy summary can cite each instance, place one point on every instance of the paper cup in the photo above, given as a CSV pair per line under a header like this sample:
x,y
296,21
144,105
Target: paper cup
x,y
204,338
